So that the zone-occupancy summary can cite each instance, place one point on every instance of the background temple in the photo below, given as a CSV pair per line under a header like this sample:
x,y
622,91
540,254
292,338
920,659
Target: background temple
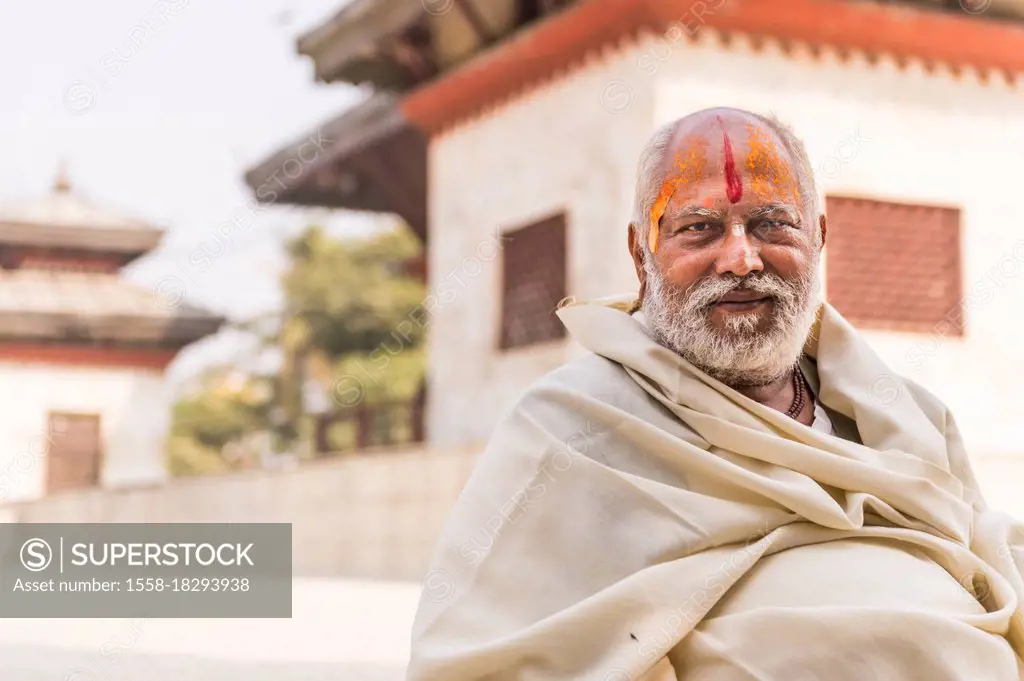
x,y
82,351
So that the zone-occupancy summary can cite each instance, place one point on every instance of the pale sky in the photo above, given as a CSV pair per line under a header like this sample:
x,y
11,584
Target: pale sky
x,y
158,107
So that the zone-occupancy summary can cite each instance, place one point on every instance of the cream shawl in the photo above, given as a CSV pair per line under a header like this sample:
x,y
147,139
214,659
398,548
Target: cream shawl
x,y
627,508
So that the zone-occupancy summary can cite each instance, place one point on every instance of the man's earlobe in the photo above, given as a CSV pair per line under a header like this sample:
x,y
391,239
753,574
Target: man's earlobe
x,y
636,252
823,227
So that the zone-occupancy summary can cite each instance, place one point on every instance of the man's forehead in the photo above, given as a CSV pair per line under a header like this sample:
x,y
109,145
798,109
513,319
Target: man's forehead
x,y
706,129
744,149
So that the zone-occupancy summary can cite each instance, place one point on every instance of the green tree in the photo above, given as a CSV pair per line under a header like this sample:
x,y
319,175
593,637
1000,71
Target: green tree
x,y
222,410
350,296
350,313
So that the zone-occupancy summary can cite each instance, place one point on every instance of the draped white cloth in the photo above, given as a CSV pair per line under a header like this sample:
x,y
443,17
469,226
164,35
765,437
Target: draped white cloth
x,y
632,515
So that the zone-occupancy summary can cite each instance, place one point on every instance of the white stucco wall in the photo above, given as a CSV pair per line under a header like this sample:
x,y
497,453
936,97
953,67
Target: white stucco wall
x,y
554,148
134,407
872,130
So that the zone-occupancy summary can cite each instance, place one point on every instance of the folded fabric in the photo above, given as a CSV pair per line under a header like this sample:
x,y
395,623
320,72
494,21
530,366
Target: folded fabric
x,y
632,515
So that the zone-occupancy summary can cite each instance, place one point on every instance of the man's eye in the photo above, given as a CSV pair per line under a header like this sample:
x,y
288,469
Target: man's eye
x,y
699,227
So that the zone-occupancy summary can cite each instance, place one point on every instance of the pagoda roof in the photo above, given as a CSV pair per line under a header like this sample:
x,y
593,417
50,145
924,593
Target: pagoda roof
x,y
353,35
375,162
52,305
65,220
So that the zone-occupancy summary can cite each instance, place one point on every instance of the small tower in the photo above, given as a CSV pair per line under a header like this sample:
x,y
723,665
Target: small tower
x,y
83,351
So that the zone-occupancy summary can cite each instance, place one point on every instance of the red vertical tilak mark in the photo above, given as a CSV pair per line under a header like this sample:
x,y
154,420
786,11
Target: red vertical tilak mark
x,y
733,183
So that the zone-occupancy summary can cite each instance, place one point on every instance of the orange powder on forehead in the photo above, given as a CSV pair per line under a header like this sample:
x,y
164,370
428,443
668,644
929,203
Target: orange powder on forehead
x,y
668,188
686,172
772,177
690,166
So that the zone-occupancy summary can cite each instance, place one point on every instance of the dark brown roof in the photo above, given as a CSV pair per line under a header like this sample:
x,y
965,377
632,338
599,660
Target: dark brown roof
x,y
371,159
355,32
347,133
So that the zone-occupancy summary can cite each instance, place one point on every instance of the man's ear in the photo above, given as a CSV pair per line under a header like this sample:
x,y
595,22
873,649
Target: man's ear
x,y
636,252
823,226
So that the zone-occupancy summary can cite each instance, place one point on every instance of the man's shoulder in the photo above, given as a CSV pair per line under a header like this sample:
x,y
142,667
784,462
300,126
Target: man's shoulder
x,y
585,388
589,376
929,403
590,390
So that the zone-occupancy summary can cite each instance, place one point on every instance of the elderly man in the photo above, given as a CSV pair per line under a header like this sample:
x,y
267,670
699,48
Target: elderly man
x,y
713,493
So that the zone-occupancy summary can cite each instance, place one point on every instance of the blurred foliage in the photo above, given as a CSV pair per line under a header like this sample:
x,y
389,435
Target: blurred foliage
x,y
349,298
349,335
223,409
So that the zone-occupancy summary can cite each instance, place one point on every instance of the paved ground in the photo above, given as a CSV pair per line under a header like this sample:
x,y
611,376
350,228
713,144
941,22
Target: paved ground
x,y
340,630
32,663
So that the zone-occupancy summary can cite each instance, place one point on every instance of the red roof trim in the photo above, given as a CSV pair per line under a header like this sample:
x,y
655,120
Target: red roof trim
x,y
957,40
82,356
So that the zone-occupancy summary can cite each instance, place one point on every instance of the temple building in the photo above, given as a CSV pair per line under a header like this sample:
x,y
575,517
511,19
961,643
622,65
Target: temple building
x,y
506,134
82,351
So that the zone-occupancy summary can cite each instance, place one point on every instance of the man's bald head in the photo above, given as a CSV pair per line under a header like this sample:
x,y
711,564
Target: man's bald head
x,y
655,162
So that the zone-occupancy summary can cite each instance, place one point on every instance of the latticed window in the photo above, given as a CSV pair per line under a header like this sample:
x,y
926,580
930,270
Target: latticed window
x,y
533,283
895,266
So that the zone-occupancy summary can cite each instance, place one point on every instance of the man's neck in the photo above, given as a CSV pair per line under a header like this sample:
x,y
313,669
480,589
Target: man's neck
x,y
778,395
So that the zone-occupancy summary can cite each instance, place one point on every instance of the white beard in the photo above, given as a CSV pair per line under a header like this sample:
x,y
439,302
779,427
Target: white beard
x,y
678,318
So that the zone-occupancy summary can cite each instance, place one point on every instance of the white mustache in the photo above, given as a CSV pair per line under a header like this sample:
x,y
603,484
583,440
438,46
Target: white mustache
x,y
706,292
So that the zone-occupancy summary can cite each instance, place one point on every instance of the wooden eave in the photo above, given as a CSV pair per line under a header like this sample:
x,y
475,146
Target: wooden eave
x,y
372,160
356,32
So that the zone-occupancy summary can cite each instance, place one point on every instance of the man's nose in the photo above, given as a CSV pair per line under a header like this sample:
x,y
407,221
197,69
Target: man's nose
x,y
738,254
